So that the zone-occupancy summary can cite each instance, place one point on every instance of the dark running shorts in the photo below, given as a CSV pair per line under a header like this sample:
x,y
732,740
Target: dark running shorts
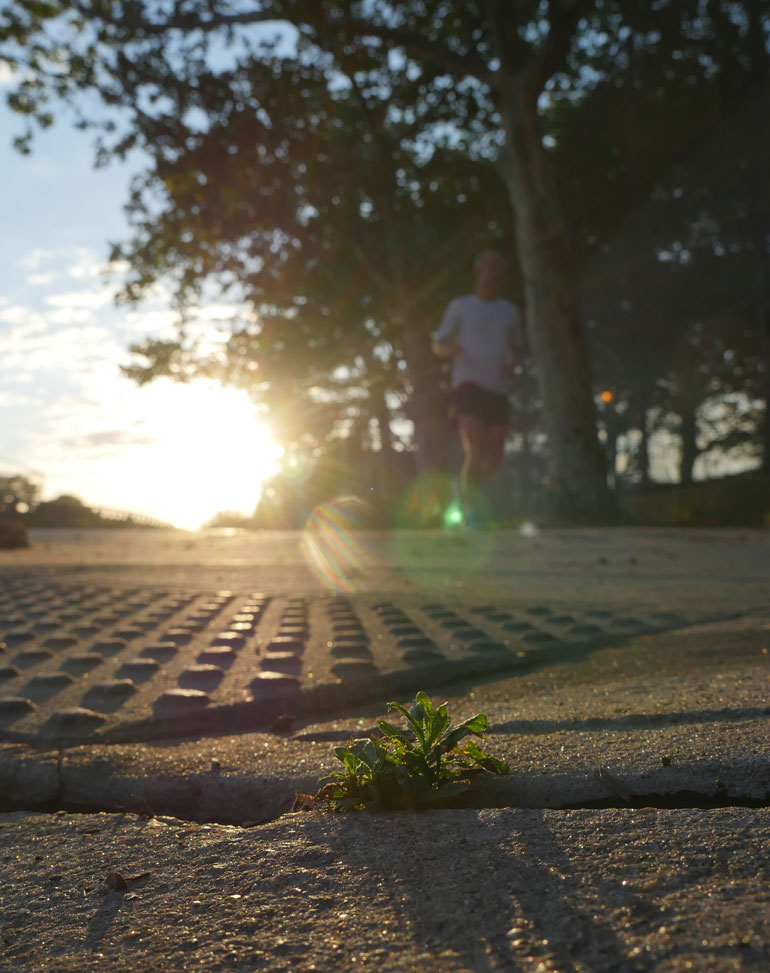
x,y
470,399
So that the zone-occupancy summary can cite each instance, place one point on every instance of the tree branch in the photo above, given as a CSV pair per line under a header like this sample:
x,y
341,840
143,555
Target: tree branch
x,y
190,21
508,46
453,61
563,17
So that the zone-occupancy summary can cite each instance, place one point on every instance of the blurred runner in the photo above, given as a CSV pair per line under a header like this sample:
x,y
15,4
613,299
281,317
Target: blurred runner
x,y
481,333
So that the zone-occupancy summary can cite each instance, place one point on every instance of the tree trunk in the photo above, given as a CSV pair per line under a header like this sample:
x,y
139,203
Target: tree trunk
x,y
644,447
612,428
761,222
639,419
525,463
688,432
428,404
576,459
764,344
385,489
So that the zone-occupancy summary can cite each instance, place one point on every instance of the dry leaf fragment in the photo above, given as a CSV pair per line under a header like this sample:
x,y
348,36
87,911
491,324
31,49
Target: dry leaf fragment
x,y
304,802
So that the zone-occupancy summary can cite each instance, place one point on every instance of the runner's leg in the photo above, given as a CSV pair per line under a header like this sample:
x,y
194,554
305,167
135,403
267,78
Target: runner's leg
x,y
473,437
494,441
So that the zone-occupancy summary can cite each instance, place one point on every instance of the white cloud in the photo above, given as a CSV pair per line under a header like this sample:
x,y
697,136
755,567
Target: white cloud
x,y
37,257
45,266
87,299
18,400
87,264
160,322
17,314
36,346
69,315
109,437
7,73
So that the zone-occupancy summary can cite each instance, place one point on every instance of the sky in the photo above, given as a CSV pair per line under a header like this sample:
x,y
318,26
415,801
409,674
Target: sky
x,y
179,453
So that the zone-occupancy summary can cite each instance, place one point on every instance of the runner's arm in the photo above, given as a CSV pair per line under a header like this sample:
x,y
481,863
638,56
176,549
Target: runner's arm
x,y
444,339
446,348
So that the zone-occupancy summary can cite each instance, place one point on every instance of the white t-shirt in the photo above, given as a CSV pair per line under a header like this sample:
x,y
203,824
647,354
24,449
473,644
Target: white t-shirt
x,y
484,330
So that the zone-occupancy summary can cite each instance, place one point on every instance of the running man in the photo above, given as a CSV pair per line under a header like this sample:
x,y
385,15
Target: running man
x,y
481,333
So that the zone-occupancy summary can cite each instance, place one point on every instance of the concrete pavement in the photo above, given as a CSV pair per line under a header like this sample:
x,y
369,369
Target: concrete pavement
x,y
624,674
505,889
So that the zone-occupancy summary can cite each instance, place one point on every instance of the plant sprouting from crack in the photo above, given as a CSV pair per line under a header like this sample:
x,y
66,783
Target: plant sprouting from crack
x,y
418,766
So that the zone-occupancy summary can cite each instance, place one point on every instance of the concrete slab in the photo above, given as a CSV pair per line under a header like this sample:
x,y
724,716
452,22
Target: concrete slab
x,y
467,890
668,718
87,661
118,636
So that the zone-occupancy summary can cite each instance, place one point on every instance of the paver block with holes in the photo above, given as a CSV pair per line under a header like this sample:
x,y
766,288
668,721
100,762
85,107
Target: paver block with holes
x,y
152,661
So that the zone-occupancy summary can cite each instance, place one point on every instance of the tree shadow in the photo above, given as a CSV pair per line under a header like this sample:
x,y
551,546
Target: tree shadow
x,y
491,891
633,721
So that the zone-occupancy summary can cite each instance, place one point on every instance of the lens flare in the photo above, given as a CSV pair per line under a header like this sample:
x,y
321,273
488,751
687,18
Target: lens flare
x,y
332,547
428,538
424,501
453,515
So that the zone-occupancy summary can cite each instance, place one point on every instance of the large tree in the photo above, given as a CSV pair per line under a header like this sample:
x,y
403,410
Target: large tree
x,y
189,80
161,65
348,281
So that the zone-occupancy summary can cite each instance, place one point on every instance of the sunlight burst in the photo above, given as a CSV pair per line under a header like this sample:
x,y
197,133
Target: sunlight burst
x,y
211,454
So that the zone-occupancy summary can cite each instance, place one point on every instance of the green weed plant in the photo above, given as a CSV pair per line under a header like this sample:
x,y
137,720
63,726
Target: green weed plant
x,y
419,766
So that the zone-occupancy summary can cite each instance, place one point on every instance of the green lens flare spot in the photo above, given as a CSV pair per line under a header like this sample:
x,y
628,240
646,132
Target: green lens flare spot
x,y
453,516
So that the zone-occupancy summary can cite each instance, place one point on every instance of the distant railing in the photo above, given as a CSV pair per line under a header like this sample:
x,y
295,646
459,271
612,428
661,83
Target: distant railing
x,y
127,517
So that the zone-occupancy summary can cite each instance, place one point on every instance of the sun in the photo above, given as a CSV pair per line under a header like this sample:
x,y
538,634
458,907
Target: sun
x,y
210,453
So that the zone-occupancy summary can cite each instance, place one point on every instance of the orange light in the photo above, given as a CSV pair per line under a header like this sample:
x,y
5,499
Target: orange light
x,y
606,396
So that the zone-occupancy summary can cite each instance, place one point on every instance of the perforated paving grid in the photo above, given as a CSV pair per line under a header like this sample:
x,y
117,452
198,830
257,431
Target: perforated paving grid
x,y
81,661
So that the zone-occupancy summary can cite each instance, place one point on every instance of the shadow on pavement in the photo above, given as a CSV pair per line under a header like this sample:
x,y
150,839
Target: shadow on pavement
x,y
492,893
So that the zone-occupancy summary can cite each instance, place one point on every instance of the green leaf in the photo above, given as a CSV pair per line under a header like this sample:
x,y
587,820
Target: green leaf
x,y
417,763
413,718
392,731
343,754
367,752
475,725
423,702
394,771
439,723
492,764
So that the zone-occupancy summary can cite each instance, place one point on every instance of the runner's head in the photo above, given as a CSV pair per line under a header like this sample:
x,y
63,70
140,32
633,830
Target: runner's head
x,y
489,270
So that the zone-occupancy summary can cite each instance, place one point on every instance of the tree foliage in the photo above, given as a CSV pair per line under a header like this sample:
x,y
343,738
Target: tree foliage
x,y
333,166
18,493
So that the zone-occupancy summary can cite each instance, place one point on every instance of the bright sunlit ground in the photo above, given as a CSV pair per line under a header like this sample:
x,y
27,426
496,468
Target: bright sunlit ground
x,y
199,449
